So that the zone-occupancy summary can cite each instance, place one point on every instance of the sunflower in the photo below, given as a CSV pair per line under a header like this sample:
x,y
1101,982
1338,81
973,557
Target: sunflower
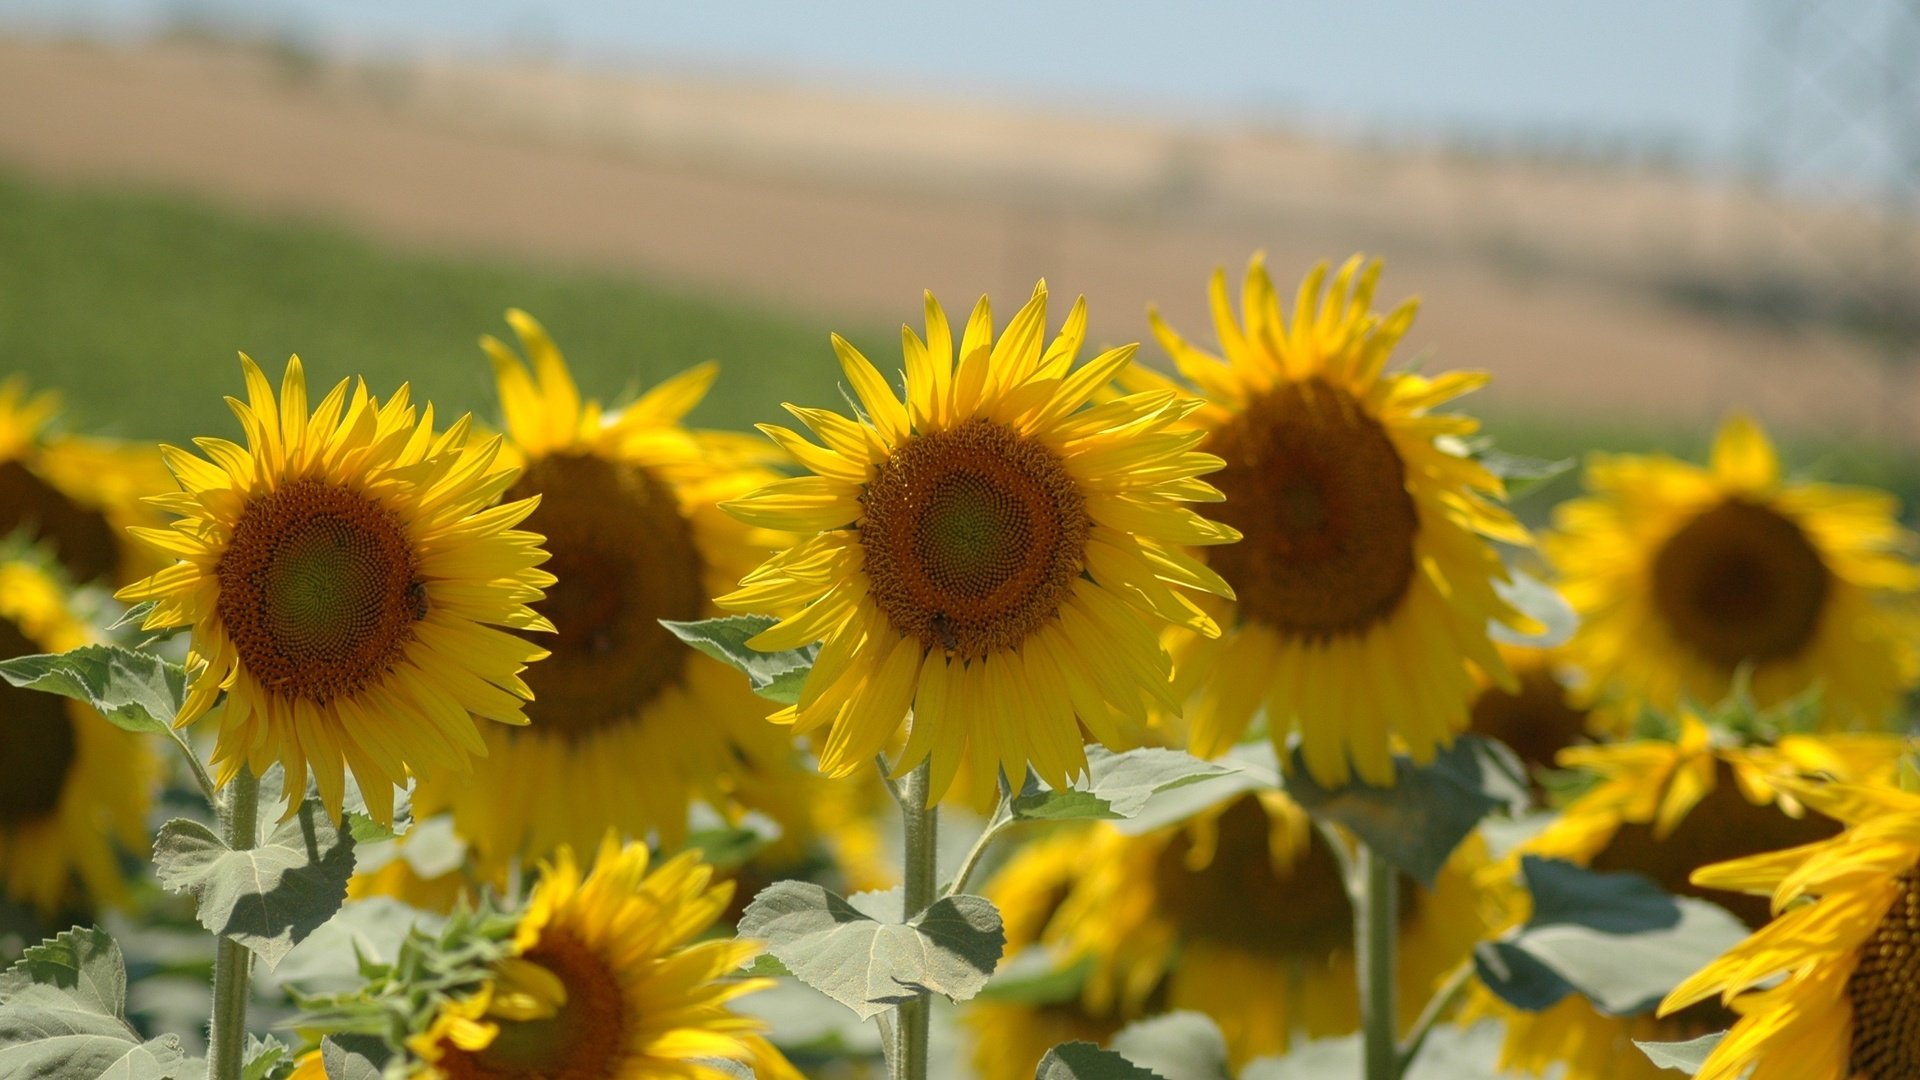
x,y
602,983
72,786
344,582
1845,949
1683,576
1241,913
1664,809
1365,580
627,507
1538,717
988,553
72,493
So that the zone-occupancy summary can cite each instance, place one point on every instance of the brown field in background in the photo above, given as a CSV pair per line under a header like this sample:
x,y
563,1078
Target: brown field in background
x,y
1568,282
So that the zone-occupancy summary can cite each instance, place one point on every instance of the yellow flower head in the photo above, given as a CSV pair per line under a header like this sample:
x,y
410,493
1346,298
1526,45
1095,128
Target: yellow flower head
x,y
72,786
1365,580
1665,809
1538,716
603,982
628,510
1840,962
347,588
1683,576
74,494
992,553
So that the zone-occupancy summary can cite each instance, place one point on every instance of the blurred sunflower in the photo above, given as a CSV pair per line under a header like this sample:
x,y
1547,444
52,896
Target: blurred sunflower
x,y
72,786
1665,809
1538,716
603,983
1682,576
1841,963
72,493
1009,1037
1365,580
344,580
987,553
627,510
1241,914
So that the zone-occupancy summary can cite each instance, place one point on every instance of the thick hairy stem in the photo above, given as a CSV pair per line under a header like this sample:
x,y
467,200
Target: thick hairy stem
x,y
1376,925
921,829
232,963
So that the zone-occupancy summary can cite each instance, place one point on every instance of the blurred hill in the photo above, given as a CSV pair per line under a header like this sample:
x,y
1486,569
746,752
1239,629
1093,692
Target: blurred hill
x,y
1587,286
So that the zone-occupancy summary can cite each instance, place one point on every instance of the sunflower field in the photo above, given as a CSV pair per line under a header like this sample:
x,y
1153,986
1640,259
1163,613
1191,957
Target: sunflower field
x,y
1032,710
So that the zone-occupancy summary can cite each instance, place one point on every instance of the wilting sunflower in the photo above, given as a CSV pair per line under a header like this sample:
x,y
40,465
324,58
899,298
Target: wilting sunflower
x,y
72,493
72,786
1683,575
991,553
627,507
344,581
1010,1038
1241,914
1845,947
603,983
1665,809
1365,581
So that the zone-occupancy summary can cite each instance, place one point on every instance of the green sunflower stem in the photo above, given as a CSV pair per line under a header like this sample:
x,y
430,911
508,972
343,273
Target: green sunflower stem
x,y
232,963
920,826
1376,924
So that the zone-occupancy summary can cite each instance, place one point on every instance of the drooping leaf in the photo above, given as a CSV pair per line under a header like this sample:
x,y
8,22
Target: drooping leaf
x,y
1177,1046
268,898
1117,786
1686,1056
1417,823
774,675
1541,602
63,1014
351,1057
868,965
1615,938
1085,1061
137,691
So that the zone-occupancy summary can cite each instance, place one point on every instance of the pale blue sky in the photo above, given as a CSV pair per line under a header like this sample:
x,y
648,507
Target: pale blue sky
x,y
1653,71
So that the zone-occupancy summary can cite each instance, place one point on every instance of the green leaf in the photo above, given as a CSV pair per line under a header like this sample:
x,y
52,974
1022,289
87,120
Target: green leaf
x,y
1450,1053
1417,823
726,1065
1178,1046
868,965
775,675
268,898
1117,786
1250,767
63,1014
1686,1056
1615,938
1522,473
1085,1061
362,825
133,616
134,690
351,1057
330,959
264,1058
1033,977
1538,600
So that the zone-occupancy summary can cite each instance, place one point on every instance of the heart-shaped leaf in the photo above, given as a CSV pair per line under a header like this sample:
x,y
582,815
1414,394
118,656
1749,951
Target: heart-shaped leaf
x,y
1117,786
134,690
774,675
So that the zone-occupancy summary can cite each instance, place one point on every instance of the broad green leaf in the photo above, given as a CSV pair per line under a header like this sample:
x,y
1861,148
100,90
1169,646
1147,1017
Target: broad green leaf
x,y
1085,1061
134,690
1117,786
1522,473
1032,977
268,898
1249,767
766,965
867,965
1177,1046
84,964
369,930
262,1059
361,823
1417,823
1686,1056
63,1015
1615,938
351,1057
1538,600
775,675
1450,1053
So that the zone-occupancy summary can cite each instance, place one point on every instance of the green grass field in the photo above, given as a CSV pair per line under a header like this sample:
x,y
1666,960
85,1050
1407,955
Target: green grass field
x,y
133,305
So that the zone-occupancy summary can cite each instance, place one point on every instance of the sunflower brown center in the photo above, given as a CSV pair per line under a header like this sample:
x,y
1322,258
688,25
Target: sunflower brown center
x,y
1537,723
1241,899
585,1039
1319,495
39,741
1722,825
1885,990
625,558
1740,583
319,590
81,538
973,537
